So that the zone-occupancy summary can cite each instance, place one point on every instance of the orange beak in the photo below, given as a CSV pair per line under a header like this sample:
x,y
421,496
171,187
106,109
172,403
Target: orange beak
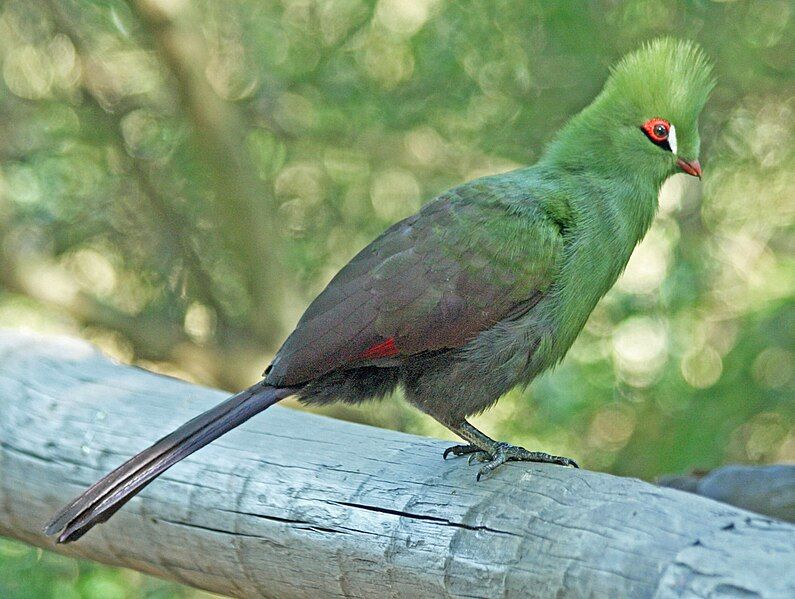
x,y
691,168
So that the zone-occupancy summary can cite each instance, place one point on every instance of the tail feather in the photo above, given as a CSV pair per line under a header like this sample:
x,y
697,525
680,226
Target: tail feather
x,y
105,497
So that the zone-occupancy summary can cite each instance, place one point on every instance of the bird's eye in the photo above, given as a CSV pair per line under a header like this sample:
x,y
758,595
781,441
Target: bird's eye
x,y
658,131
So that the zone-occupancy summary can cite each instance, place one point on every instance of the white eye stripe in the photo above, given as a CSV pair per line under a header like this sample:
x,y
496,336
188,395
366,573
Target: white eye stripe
x,y
672,139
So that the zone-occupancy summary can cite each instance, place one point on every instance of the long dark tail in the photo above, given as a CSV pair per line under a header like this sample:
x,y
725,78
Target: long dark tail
x,y
105,497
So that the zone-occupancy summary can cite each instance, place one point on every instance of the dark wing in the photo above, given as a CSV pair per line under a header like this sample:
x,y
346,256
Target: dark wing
x,y
432,281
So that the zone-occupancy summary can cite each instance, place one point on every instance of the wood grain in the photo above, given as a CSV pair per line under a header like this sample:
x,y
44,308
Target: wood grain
x,y
297,505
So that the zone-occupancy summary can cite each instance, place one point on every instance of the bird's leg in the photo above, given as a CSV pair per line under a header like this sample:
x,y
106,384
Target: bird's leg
x,y
495,453
480,446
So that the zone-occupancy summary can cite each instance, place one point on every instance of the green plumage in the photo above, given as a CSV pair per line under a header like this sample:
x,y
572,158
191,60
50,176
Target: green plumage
x,y
492,281
487,286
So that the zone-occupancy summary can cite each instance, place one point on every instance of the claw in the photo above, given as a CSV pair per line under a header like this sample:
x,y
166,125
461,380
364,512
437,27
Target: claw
x,y
567,462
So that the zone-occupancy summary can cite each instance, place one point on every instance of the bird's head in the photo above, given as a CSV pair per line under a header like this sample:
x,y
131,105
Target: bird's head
x,y
645,121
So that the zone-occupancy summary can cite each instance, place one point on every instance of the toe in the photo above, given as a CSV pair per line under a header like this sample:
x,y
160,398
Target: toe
x,y
486,470
479,456
459,450
497,460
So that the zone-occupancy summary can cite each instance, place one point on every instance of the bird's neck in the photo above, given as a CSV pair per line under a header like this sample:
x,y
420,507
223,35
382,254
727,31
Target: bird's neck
x,y
600,204
600,189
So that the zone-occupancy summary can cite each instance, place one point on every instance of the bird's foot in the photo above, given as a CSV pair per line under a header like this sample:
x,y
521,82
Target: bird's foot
x,y
504,452
483,448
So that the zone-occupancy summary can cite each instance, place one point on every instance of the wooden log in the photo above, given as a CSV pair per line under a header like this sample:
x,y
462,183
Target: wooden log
x,y
297,505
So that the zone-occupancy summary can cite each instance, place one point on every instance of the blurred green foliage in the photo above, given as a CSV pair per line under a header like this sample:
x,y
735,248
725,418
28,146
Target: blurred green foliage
x,y
179,179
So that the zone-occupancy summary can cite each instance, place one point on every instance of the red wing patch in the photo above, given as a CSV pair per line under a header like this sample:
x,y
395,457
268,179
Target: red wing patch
x,y
386,349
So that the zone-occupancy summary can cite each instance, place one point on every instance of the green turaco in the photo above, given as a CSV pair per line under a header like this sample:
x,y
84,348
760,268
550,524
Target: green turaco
x,y
480,291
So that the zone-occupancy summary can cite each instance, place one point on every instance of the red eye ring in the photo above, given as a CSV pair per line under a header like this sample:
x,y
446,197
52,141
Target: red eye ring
x,y
657,129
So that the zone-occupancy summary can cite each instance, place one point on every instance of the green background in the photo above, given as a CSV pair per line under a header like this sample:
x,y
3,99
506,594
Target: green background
x,y
179,179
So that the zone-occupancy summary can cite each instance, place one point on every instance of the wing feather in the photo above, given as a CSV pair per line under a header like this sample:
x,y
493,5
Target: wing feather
x,y
430,282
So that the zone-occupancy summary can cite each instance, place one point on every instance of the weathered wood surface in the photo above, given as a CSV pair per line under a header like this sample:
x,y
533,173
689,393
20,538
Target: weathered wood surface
x,y
296,505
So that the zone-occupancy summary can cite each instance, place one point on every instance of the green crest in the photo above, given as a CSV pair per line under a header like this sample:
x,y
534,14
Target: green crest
x,y
666,78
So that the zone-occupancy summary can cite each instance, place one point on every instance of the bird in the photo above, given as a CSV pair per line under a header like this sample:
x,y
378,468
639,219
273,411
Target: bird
x,y
483,289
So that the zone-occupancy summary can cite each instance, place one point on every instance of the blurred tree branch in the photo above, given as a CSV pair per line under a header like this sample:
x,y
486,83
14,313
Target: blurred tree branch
x,y
247,225
242,214
153,337
176,232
